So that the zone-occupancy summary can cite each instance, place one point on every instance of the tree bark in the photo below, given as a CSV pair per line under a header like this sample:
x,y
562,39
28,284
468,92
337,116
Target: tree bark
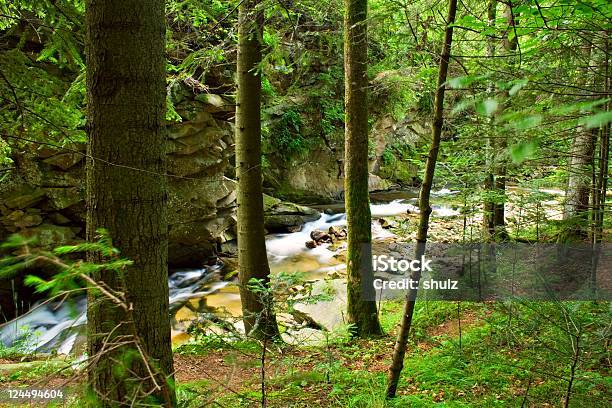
x,y
581,166
599,199
259,319
499,207
489,184
361,307
126,193
399,350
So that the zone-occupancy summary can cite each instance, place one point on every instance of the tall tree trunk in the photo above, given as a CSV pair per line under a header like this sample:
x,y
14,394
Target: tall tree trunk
x,y
599,200
578,189
499,207
580,166
126,193
489,184
362,313
259,319
399,351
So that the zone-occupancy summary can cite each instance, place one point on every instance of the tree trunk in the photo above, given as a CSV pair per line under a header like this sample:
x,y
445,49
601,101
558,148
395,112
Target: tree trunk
x,y
126,194
361,307
489,184
599,199
499,207
581,166
399,351
578,189
258,316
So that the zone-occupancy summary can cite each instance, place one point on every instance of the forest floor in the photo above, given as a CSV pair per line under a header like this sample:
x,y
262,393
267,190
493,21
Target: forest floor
x,y
495,354
485,358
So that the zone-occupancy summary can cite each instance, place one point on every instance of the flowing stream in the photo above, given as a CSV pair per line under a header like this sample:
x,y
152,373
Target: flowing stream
x,y
53,326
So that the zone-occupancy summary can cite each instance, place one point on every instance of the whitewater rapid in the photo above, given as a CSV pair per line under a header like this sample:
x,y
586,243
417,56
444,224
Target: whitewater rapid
x,y
53,326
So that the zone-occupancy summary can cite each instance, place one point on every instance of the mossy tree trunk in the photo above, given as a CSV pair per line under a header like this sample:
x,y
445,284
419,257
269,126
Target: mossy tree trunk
x,y
361,308
126,194
258,316
399,351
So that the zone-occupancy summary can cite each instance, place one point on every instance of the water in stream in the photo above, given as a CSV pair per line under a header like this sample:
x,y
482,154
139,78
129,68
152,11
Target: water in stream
x,y
55,326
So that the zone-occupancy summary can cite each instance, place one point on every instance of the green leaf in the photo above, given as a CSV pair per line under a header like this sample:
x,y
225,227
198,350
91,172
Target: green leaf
x,y
32,280
487,107
597,120
464,81
517,87
462,105
526,122
523,151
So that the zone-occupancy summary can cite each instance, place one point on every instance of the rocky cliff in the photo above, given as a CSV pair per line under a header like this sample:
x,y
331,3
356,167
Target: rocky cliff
x,y
43,195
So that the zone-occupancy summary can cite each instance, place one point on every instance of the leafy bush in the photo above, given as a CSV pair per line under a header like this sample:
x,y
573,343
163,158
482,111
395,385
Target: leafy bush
x,y
285,135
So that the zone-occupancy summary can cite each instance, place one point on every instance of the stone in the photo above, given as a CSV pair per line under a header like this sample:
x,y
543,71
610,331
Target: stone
x,y
62,198
279,216
320,236
196,141
214,103
386,224
377,183
229,201
305,336
195,224
334,274
64,161
328,314
27,220
207,162
75,177
51,236
269,202
58,218
311,244
24,197
340,234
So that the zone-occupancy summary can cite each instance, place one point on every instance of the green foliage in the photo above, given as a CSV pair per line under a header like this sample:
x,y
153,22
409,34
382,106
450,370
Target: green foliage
x,y
399,162
285,135
523,151
72,275
37,98
332,116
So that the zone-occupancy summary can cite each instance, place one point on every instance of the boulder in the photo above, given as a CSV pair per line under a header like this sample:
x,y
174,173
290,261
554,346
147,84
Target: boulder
x,y
19,219
197,222
214,103
23,197
328,314
64,161
51,236
282,216
320,236
196,141
208,162
62,198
